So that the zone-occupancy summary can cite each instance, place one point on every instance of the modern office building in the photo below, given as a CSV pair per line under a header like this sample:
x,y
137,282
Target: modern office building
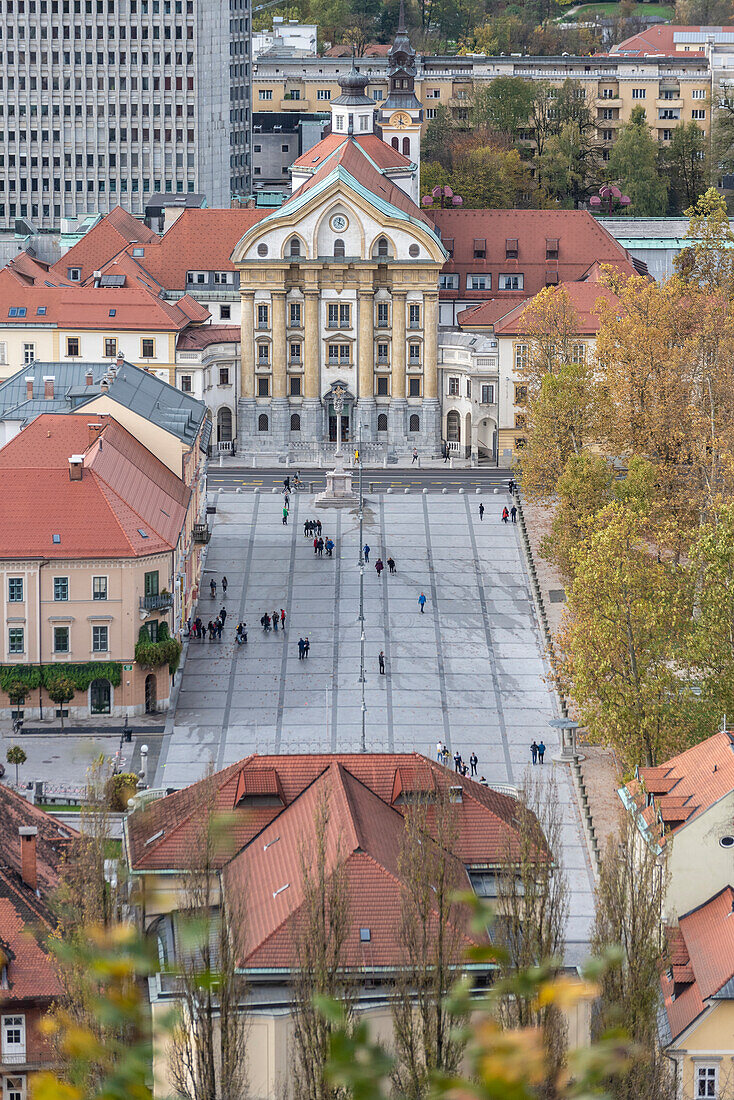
x,y
107,102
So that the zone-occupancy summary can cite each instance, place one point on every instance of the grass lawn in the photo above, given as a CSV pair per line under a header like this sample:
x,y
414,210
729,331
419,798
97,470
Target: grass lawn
x,y
587,12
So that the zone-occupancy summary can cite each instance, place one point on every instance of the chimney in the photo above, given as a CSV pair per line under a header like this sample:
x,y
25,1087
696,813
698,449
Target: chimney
x,y
89,380
29,389
48,386
94,432
76,467
104,385
120,360
28,867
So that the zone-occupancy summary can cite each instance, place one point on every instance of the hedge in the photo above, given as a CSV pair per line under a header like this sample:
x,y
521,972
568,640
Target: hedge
x,y
81,675
154,654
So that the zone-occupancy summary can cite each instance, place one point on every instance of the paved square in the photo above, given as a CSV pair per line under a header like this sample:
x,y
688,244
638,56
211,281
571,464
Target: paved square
x,y
470,670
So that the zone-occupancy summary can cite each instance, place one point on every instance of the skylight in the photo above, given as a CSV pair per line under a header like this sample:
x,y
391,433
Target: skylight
x,y
113,312
41,311
143,534
16,311
56,538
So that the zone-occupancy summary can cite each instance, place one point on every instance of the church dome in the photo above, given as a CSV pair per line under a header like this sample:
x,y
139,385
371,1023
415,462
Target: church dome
x,y
353,89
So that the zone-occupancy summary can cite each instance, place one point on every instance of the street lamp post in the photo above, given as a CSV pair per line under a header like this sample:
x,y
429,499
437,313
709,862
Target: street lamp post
x,y
363,744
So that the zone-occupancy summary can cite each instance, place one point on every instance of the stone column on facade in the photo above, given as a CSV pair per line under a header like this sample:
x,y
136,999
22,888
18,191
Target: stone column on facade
x,y
398,405
431,415
246,405
366,351
312,420
280,407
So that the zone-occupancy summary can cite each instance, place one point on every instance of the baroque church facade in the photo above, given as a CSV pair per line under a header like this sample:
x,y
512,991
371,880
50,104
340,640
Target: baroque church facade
x,y
339,286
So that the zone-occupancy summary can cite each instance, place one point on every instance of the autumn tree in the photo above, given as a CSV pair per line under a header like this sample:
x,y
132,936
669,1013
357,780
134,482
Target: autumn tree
x,y
710,655
436,143
628,913
16,756
583,488
633,164
61,690
433,924
685,159
620,645
486,175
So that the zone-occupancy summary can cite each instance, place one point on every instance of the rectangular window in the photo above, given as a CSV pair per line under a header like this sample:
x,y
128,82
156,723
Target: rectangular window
x,y
262,316
699,115
221,278
61,588
383,314
487,394
698,93
339,353
224,376
100,639
414,316
512,282
551,249
186,383
225,313
72,345
61,639
151,583
511,248
382,387
265,93
669,113
110,348
414,354
480,249
15,589
448,282
99,588
667,135
29,350
431,112
414,387
578,353
607,135
295,352
263,387
706,1082
479,282
323,93
339,315
521,357
147,349
521,393
383,354
16,640
638,93
263,355
453,387
14,1037
295,314
295,385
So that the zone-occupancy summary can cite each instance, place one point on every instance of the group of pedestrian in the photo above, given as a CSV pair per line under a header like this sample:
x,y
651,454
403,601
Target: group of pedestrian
x,y
213,588
287,482
508,514
277,619
460,767
241,633
537,752
303,647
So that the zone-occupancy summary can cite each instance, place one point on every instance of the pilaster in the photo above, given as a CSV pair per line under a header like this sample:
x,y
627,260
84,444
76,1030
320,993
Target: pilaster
x,y
247,345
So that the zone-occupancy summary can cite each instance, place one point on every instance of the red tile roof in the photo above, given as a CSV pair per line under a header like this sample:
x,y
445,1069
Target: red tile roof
x,y
658,40
88,307
109,236
33,272
194,339
701,950
379,151
160,835
581,242
489,313
686,785
583,299
32,975
124,490
51,843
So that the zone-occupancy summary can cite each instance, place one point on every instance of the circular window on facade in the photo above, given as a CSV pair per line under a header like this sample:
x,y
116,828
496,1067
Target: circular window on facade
x,y
414,250
726,841
262,250
338,223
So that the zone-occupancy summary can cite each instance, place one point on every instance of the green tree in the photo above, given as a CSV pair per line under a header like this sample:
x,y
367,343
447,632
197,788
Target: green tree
x,y
16,755
486,177
437,140
582,490
569,165
685,159
711,651
703,13
634,165
61,690
503,105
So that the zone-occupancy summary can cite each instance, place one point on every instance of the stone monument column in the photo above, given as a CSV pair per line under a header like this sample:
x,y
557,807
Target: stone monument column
x,y
312,422
279,403
398,405
366,402
431,416
246,403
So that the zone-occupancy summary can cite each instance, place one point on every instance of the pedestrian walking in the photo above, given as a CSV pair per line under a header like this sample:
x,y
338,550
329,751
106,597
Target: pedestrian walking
x,y
297,480
511,486
223,615
316,544
318,527
329,544
287,501
439,751
541,752
366,552
285,515
307,644
379,566
320,547
473,761
481,511
211,628
505,515
224,587
445,452
301,649
282,619
198,628
381,660
306,527
287,484
422,602
276,620
241,634
457,761
219,626
513,513
534,752
415,455
213,588
391,565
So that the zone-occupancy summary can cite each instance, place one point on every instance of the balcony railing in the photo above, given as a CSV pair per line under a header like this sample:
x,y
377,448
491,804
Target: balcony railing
x,y
160,602
17,1058
202,532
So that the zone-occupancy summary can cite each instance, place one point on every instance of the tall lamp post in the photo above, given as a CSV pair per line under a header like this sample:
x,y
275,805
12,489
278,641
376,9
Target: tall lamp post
x,y
362,678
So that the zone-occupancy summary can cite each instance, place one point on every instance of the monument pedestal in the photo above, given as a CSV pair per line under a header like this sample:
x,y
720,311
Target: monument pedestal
x,y
338,492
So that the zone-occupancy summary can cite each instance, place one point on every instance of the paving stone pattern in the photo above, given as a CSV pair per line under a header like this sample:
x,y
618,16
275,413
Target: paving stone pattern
x,y
470,670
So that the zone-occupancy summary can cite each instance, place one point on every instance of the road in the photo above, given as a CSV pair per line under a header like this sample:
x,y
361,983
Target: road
x,y
435,479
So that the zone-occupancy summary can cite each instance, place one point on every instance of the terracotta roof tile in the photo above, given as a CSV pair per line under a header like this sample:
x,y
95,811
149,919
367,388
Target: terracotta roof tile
x,y
194,339
103,241
379,151
31,973
51,843
658,40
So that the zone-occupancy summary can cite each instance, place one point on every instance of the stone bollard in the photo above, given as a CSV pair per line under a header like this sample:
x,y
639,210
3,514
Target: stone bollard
x,y
425,491
274,489
389,489
462,489
444,490
406,490
477,490
496,490
372,486
256,489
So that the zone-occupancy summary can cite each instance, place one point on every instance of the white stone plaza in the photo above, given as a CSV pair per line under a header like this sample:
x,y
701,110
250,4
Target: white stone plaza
x,y
470,670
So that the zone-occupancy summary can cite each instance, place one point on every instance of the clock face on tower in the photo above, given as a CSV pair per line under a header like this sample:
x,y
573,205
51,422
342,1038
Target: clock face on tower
x,y
400,118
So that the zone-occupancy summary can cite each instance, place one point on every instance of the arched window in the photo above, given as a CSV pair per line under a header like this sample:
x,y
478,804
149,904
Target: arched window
x,y
382,422
453,426
262,422
383,248
224,425
396,143
406,147
339,251
295,422
294,247
415,423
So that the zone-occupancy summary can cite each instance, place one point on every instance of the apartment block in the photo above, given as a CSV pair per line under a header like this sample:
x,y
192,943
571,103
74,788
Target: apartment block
x,y
106,102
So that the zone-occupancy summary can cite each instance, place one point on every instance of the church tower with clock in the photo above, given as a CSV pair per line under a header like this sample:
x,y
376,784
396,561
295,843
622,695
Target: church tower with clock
x,y
402,114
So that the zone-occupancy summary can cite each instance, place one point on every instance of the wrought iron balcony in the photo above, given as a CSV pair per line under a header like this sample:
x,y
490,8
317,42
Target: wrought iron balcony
x,y
202,532
160,602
